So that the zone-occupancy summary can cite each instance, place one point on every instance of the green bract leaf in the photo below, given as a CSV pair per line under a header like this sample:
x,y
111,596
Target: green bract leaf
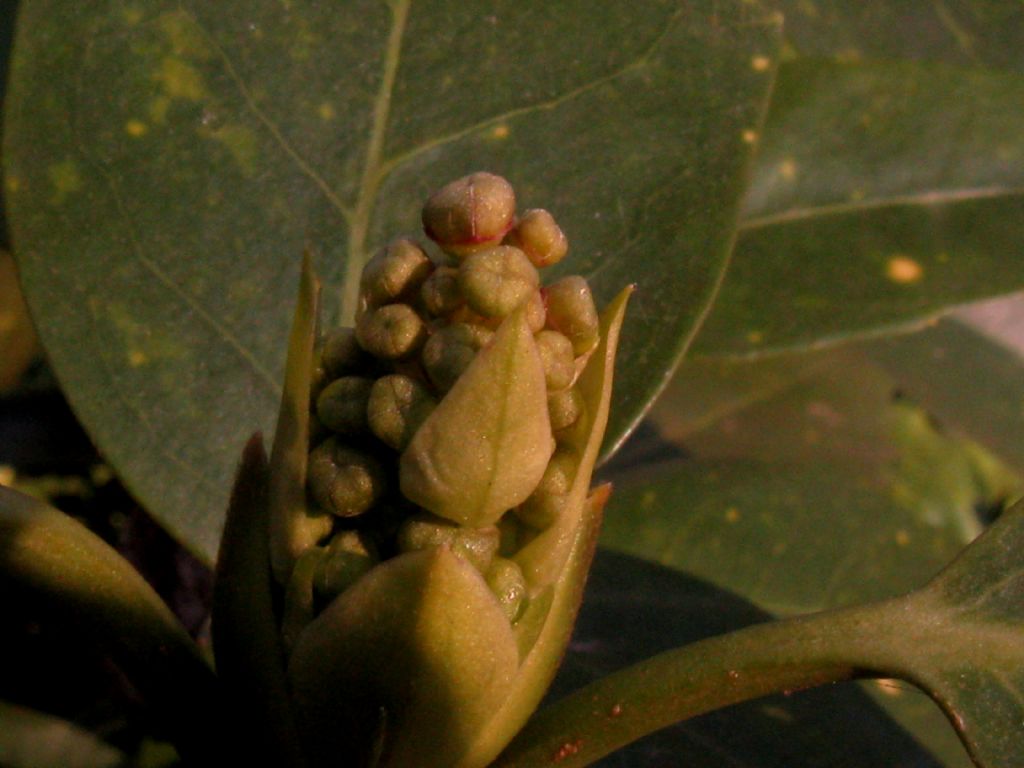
x,y
294,526
417,649
78,583
159,218
246,639
484,448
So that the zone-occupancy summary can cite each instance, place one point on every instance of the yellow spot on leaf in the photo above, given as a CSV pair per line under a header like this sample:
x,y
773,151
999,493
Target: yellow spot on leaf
x,y
755,337
500,131
66,180
13,183
903,270
136,358
183,35
749,136
136,128
241,142
326,112
902,538
760,63
648,498
732,515
787,169
180,80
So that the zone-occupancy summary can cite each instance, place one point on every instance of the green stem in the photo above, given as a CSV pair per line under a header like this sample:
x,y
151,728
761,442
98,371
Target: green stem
x,y
714,673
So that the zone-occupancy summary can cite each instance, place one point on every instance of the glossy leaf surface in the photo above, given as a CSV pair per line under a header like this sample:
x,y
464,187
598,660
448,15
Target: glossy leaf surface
x,y
194,149
890,175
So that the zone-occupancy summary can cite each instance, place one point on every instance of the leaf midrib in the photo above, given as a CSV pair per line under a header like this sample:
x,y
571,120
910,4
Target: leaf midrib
x,y
371,176
924,198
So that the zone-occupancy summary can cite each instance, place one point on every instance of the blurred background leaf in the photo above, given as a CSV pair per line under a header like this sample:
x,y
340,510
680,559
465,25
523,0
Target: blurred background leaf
x,y
194,149
826,478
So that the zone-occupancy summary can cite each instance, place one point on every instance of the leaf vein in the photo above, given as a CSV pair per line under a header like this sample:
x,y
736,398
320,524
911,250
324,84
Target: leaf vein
x,y
541,106
925,198
269,125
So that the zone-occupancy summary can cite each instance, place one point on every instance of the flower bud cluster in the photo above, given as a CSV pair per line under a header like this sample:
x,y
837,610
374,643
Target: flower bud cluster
x,y
424,316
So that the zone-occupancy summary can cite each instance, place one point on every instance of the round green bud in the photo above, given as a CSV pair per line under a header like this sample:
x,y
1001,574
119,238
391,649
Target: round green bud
x,y
396,272
441,293
542,510
397,406
342,480
349,555
340,353
505,578
564,408
571,311
496,281
391,332
450,350
477,546
539,237
556,354
536,312
341,405
470,214
550,498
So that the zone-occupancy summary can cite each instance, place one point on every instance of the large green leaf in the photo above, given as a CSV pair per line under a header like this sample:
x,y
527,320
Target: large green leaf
x,y
889,181
191,150
818,480
828,478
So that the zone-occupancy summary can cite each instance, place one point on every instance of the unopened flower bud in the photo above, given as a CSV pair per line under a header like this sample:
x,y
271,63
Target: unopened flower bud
x,y
556,354
547,502
341,405
539,237
391,332
571,311
506,581
564,408
470,214
340,353
477,546
450,351
396,272
496,281
397,406
347,557
536,312
342,480
441,293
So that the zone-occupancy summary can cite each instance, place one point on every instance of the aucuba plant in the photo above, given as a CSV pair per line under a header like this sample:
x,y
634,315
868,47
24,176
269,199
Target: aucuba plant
x,y
427,520
397,582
